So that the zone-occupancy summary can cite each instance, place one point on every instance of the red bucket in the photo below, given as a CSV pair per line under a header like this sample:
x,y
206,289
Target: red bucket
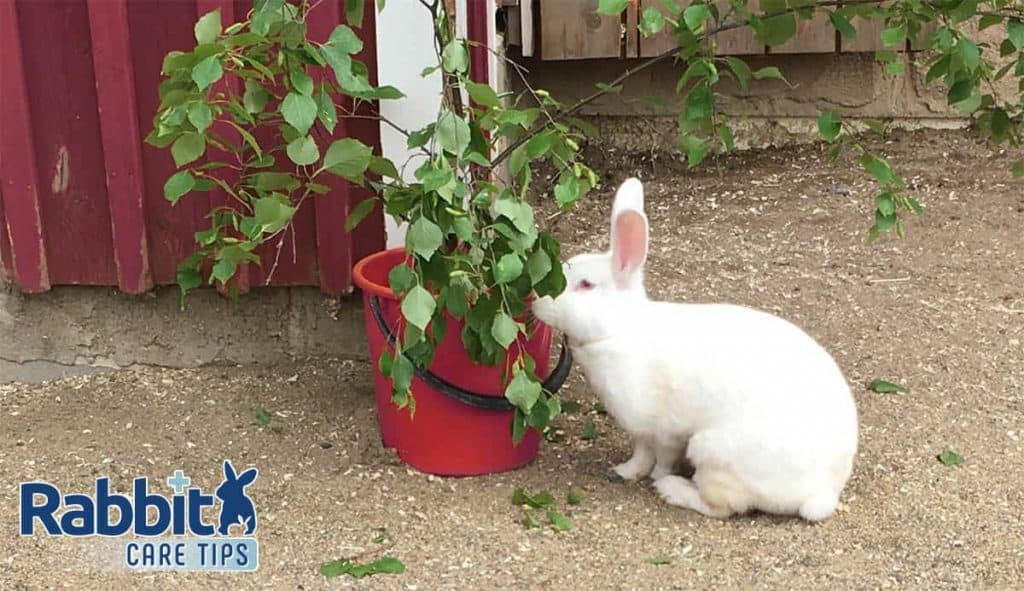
x,y
462,424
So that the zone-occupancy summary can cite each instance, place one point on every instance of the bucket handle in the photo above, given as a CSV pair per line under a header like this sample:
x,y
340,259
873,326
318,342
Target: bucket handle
x,y
474,399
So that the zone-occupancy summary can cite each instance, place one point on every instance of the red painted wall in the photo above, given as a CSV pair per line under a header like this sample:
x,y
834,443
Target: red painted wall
x,y
81,196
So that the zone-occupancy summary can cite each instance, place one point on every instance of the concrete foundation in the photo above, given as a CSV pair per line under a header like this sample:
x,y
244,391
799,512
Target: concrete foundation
x,y
75,330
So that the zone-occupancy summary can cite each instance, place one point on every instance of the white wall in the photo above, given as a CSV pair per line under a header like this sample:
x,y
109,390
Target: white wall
x,y
405,47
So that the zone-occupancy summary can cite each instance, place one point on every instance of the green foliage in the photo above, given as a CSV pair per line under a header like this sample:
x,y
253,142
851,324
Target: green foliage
x,y
385,565
884,387
950,458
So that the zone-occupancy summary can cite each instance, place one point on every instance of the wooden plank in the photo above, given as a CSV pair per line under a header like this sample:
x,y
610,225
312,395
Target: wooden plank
x,y
20,190
66,132
741,41
926,30
6,266
632,34
122,146
229,84
333,243
368,237
572,29
155,29
814,35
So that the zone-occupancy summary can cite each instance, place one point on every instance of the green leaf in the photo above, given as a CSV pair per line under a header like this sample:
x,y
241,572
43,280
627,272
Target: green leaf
x,y
482,94
574,497
326,112
700,103
695,15
770,72
884,387
1015,32
418,306
453,133
303,151
401,279
885,204
273,181
223,270
842,24
359,213
541,500
348,158
830,124
611,7
950,458
508,269
538,266
200,116
571,406
518,212
567,191
354,12
969,53
658,560
344,39
255,98
301,82
207,71
299,111
696,149
273,213
878,168
262,416
651,21
522,392
894,35
187,148
179,184
424,238
741,70
776,30
529,520
559,521
455,57
385,565
915,206
589,431
208,27
504,329
1018,169
383,167
960,91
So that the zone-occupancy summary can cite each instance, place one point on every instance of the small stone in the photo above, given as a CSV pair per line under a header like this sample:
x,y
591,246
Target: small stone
x,y
326,445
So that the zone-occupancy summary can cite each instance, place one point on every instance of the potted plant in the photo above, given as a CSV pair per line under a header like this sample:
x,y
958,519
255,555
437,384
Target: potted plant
x,y
462,378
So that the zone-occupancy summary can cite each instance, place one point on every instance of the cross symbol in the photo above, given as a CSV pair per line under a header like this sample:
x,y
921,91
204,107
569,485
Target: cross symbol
x,y
178,482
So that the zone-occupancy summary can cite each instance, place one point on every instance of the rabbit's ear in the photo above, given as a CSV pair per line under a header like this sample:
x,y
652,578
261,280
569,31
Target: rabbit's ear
x,y
629,233
229,471
247,477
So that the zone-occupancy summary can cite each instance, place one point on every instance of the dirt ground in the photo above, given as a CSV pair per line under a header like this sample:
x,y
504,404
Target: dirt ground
x,y
941,312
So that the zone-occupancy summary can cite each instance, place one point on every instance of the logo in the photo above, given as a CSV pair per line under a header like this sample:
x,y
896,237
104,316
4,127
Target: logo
x,y
186,539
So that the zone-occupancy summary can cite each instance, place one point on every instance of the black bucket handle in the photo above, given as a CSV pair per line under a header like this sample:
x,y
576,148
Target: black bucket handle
x,y
474,399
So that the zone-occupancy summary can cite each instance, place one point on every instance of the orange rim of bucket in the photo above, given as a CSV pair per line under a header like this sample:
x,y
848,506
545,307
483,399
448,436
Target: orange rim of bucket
x,y
360,279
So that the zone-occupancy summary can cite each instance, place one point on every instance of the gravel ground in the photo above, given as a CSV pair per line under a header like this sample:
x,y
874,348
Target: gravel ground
x,y
942,312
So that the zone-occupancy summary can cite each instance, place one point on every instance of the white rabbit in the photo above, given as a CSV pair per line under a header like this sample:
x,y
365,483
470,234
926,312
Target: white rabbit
x,y
762,412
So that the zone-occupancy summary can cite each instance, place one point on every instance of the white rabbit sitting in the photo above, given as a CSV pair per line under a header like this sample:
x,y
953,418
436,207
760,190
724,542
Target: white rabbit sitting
x,y
762,412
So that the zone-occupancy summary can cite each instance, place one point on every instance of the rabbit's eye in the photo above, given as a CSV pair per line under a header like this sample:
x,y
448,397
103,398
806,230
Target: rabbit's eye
x,y
584,284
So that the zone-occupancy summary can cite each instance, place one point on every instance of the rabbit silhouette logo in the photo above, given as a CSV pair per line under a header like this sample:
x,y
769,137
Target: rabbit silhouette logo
x,y
236,506
164,531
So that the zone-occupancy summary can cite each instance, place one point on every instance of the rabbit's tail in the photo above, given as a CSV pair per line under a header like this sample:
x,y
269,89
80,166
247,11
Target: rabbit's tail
x,y
819,506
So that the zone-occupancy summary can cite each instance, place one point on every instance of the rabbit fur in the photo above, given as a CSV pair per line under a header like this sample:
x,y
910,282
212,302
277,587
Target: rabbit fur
x,y
760,410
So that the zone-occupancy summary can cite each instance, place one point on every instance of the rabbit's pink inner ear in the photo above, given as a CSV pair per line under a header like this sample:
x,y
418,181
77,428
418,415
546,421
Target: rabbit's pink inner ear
x,y
629,244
